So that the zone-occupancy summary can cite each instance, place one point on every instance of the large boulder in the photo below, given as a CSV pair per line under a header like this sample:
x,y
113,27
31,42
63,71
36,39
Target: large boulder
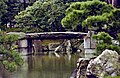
x,y
106,64
82,66
80,71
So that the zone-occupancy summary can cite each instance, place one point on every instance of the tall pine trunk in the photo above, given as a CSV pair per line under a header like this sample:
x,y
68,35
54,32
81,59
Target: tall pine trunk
x,y
115,3
24,3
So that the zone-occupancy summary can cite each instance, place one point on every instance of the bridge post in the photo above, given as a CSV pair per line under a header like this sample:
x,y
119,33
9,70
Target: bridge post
x,y
30,46
89,45
23,47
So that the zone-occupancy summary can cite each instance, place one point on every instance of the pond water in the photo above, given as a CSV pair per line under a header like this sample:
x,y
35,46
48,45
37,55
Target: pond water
x,y
45,67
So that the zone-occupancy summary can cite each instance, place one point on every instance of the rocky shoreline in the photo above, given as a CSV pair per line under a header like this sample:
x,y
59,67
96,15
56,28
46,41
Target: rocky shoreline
x,y
106,64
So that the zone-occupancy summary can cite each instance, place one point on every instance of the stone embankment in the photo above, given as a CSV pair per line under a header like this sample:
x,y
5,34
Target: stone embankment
x,y
106,64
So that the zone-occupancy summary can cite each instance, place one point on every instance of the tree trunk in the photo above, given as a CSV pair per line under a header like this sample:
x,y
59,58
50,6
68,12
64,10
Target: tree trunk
x,y
114,3
109,1
24,3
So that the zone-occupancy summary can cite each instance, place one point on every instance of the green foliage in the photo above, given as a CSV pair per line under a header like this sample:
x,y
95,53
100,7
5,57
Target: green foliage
x,y
42,16
8,38
95,22
119,38
113,77
8,9
10,65
101,47
114,22
106,38
12,10
89,13
3,9
93,15
10,58
104,41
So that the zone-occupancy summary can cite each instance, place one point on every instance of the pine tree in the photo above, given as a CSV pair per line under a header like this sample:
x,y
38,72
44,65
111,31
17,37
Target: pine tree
x,y
12,10
3,10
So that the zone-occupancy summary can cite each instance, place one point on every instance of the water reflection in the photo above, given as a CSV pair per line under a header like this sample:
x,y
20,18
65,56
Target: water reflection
x,y
46,67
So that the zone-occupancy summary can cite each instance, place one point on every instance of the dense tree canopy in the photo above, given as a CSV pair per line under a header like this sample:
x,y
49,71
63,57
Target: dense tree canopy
x,y
12,7
95,15
42,16
3,9
85,13
9,8
12,10
114,22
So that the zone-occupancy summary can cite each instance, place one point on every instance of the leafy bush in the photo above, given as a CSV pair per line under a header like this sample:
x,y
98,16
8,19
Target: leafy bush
x,y
112,77
104,41
10,58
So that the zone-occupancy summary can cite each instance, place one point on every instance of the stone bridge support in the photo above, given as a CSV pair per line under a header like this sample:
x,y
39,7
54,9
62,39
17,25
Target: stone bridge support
x,y
30,45
89,45
22,46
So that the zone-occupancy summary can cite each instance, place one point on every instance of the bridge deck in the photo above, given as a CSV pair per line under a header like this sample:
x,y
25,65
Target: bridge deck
x,y
56,35
51,35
